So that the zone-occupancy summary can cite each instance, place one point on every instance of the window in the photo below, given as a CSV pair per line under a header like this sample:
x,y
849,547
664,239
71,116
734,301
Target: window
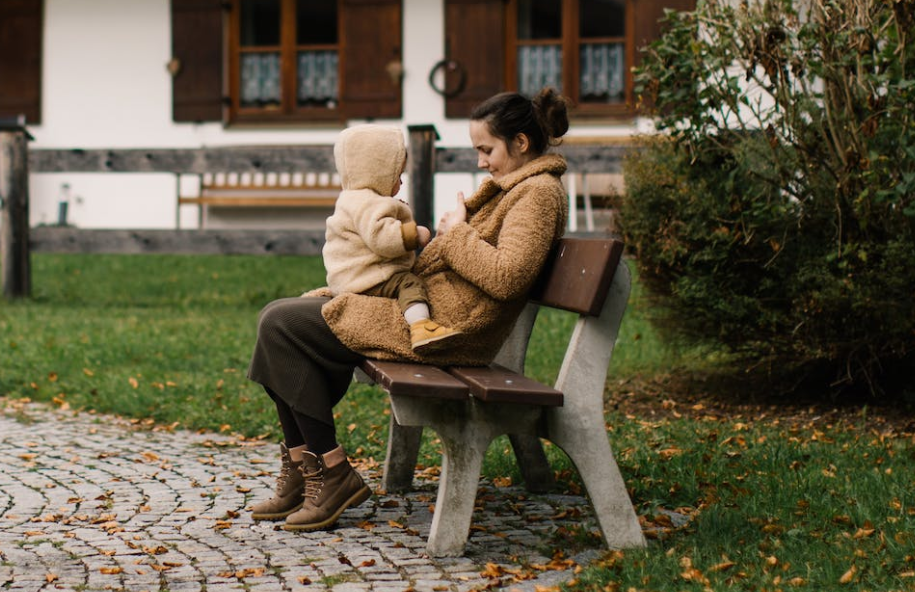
x,y
584,48
286,60
580,47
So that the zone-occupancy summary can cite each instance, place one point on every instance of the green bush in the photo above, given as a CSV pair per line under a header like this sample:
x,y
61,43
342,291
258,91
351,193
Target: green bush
x,y
774,212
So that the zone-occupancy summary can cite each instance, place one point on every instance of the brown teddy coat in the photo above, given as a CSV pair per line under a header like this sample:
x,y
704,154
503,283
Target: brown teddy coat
x,y
478,274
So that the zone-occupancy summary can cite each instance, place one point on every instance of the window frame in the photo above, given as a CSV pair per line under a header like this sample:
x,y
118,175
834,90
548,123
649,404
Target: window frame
x,y
288,48
571,67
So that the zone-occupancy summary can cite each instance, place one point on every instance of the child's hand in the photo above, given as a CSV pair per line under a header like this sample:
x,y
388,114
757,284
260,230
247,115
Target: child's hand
x,y
424,235
455,216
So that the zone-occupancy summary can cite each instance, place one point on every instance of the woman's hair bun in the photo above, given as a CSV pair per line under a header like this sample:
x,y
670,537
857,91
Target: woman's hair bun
x,y
552,111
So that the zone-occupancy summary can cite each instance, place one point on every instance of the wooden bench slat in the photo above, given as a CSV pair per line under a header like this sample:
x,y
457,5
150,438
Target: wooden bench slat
x,y
577,277
496,384
415,380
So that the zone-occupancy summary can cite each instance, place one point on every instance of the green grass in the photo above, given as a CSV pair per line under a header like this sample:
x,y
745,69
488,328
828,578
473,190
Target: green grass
x,y
169,338
772,504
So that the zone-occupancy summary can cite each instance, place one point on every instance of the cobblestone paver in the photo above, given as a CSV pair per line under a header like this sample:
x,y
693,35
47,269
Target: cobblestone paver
x,y
91,503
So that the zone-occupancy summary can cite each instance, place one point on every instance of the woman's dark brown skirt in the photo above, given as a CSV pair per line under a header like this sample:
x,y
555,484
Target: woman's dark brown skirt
x,y
299,358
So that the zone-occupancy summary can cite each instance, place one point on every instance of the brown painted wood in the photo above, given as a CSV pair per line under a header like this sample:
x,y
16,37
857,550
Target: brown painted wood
x,y
197,48
415,380
21,32
578,274
496,384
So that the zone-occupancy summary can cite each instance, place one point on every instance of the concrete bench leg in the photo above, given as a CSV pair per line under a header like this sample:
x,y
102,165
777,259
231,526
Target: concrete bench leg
x,y
590,452
400,463
462,459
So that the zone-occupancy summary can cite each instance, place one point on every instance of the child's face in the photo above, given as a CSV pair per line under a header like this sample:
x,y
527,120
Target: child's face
x,y
399,182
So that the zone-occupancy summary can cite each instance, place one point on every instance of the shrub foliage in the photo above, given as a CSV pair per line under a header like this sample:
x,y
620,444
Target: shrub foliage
x,y
776,215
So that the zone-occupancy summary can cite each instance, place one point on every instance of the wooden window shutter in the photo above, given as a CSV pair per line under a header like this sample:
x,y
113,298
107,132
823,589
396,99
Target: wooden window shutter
x,y
21,25
475,42
197,54
371,60
648,27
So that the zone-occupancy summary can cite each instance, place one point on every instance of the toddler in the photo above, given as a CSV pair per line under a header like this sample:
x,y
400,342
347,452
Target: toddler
x,y
371,237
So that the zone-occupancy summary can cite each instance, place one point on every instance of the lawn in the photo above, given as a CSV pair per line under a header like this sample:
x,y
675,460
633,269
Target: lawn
x,y
743,496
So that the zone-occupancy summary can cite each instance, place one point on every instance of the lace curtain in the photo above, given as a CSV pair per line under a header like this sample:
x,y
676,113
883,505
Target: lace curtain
x,y
602,70
602,66
317,78
539,66
260,78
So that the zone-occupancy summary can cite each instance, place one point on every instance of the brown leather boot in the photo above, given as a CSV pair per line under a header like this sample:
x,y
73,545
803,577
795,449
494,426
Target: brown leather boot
x,y
287,497
328,491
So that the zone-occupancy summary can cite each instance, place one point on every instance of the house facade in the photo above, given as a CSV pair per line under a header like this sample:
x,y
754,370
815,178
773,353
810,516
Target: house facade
x,y
201,73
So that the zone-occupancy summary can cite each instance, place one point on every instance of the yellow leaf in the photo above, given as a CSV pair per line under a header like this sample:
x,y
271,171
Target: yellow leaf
x,y
88,372
723,566
133,382
49,578
110,571
849,575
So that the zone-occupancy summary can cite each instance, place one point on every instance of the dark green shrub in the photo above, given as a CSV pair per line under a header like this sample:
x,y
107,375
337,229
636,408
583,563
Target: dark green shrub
x,y
776,215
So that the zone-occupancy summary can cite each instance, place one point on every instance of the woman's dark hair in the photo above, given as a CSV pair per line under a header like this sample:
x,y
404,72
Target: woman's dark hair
x,y
543,119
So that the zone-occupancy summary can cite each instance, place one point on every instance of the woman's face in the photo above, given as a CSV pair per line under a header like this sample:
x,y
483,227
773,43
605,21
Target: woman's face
x,y
494,155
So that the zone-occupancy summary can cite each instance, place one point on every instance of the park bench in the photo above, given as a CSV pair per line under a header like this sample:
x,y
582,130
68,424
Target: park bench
x,y
291,190
468,407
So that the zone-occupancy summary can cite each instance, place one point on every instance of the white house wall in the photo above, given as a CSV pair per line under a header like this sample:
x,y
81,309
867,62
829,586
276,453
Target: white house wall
x,y
105,85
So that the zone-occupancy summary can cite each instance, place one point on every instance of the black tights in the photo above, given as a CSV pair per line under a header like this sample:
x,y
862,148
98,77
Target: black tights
x,y
299,428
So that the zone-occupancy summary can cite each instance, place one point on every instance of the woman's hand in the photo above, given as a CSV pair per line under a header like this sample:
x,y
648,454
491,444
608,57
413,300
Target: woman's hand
x,y
423,236
455,216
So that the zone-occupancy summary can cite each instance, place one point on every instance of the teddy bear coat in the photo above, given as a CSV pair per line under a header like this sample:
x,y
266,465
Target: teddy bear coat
x,y
371,235
477,275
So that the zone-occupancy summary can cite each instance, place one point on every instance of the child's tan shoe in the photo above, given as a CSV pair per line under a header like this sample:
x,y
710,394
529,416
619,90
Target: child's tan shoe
x,y
425,333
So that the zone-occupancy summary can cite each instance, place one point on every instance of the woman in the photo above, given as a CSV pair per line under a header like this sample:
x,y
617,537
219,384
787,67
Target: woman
x,y
478,269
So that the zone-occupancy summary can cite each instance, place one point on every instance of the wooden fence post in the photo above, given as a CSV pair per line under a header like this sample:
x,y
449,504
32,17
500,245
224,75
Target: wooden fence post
x,y
14,207
422,172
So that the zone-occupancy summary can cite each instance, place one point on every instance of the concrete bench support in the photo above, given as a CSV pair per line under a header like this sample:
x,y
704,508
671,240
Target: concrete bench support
x,y
467,425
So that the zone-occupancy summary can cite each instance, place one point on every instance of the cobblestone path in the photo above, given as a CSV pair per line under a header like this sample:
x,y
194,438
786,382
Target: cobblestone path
x,y
91,503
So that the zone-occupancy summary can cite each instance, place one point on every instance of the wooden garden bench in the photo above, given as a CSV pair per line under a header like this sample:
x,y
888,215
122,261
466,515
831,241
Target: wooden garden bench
x,y
231,190
469,407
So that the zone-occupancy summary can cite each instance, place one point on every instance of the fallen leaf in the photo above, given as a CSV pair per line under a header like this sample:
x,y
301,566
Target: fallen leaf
x,y
849,575
111,571
724,565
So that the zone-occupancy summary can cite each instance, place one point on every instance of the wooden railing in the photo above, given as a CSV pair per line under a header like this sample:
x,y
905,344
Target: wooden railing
x,y
17,240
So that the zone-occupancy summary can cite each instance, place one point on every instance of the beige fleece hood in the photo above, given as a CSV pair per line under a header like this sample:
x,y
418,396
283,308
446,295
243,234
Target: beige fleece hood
x,y
370,156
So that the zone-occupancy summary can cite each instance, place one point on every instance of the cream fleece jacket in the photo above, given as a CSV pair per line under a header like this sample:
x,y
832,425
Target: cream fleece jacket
x,y
371,235
477,275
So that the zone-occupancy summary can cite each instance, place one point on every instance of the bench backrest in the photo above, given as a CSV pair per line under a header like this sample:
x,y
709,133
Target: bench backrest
x,y
576,277
578,274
